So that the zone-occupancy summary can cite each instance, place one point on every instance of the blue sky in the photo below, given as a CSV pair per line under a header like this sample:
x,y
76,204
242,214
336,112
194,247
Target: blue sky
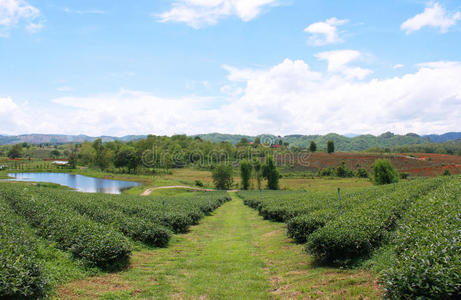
x,y
235,66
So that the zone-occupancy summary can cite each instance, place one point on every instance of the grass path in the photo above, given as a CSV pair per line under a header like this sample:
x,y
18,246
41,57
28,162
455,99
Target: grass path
x,y
233,254
149,191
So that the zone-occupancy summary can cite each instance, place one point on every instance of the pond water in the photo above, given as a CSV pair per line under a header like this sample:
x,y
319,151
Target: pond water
x,y
78,182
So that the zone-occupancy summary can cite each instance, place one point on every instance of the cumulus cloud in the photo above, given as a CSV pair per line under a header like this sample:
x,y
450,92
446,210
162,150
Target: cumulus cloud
x,y
198,13
324,33
339,60
288,98
13,117
433,16
16,12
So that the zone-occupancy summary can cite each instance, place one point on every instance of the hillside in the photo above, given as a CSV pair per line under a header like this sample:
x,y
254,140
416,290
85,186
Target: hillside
x,y
449,136
419,164
60,139
342,143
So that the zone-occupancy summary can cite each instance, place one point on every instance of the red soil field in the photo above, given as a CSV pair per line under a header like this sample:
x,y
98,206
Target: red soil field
x,y
419,164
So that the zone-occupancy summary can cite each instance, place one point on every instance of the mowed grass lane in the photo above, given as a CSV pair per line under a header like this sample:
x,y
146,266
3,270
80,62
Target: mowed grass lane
x,y
233,254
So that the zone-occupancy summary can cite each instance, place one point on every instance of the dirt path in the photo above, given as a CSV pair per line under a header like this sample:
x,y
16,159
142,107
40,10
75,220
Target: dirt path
x,y
233,254
149,191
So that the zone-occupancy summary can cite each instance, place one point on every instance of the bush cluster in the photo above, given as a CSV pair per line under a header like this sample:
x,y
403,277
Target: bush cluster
x,y
300,227
360,230
428,248
21,273
95,243
89,226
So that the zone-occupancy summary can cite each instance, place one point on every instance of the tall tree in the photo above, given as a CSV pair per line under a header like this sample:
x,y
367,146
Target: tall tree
x,y
330,147
126,157
271,173
313,147
15,151
257,171
72,159
245,173
103,156
223,176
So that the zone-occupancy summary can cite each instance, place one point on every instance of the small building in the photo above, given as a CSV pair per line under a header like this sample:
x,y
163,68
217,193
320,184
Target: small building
x,y
60,163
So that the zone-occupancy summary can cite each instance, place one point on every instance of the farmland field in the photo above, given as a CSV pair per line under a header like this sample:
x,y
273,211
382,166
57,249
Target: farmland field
x,y
417,223
97,229
161,238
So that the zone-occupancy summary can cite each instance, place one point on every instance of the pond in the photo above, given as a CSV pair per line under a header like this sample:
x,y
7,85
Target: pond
x,y
78,182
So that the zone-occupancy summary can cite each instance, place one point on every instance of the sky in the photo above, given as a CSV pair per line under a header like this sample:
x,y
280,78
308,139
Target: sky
x,y
104,67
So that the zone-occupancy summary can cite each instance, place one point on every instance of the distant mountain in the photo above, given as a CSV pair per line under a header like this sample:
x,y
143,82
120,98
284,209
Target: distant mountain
x,y
342,143
221,137
449,136
61,139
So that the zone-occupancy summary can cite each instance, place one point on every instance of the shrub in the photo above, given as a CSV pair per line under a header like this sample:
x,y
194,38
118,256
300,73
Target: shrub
x,y
300,227
384,172
446,173
343,171
360,230
21,272
198,183
428,247
404,175
97,244
223,176
327,172
362,173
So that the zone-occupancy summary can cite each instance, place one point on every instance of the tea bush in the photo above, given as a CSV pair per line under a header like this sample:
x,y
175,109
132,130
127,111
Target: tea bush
x,y
360,230
21,272
97,244
428,249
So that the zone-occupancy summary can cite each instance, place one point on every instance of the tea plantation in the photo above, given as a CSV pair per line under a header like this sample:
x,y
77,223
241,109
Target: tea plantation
x,y
97,229
420,221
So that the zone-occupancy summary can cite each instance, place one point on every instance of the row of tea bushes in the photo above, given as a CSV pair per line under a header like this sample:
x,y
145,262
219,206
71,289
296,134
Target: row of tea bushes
x,y
138,229
97,244
427,260
359,231
92,227
21,272
300,227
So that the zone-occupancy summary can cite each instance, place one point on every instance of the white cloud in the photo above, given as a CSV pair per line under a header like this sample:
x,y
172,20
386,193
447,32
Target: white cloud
x,y
324,33
198,13
428,100
16,12
339,60
398,66
13,117
288,98
434,16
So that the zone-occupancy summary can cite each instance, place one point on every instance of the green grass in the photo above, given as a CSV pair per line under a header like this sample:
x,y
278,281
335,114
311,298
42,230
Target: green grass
x,y
233,254
4,176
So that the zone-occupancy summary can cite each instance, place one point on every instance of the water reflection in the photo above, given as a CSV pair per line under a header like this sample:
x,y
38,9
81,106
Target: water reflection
x,y
79,182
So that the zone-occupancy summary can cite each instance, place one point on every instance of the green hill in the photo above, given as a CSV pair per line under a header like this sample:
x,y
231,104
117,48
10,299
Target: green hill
x,y
342,143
